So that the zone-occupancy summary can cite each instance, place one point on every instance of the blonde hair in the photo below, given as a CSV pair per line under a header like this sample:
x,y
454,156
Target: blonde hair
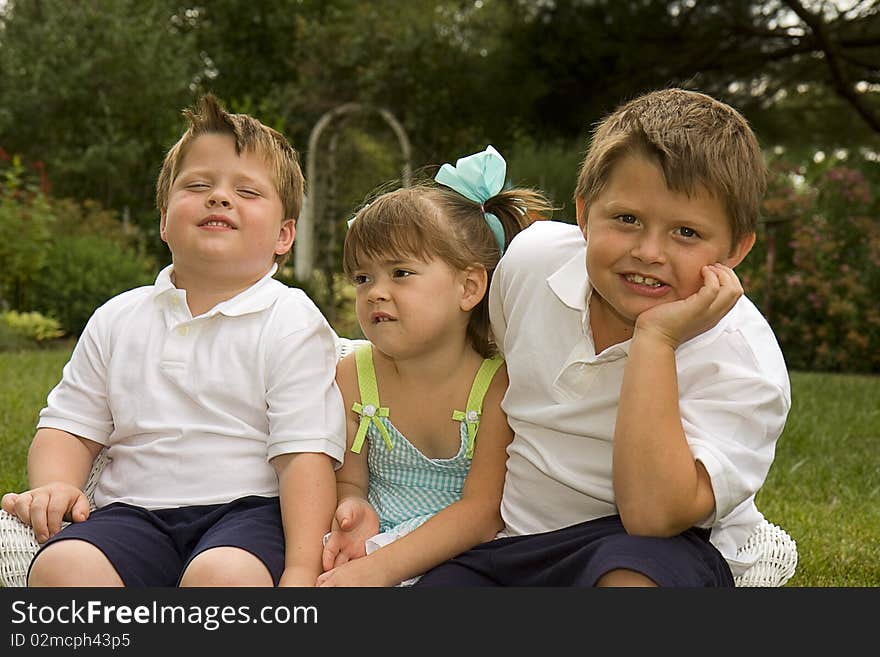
x,y
432,221
695,139
209,117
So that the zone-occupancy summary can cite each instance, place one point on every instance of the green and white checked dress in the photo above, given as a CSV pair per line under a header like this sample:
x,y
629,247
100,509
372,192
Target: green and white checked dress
x,y
406,487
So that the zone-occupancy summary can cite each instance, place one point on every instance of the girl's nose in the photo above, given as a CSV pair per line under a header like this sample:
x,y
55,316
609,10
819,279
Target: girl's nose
x,y
377,292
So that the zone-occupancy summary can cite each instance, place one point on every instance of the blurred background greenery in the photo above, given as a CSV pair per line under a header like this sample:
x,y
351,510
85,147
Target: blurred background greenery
x,y
91,94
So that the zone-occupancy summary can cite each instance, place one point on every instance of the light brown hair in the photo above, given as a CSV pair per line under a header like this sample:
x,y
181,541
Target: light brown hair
x,y
432,221
250,135
695,139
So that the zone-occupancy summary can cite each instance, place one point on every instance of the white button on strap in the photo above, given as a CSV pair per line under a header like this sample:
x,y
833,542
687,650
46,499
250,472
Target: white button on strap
x,y
472,416
369,410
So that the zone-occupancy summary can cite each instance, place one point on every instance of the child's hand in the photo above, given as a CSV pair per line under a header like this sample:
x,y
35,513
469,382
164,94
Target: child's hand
x,y
679,321
360,572
44,508
355,521
298,577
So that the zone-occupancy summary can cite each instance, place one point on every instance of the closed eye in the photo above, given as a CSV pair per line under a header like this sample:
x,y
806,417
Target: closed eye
x,y
248,193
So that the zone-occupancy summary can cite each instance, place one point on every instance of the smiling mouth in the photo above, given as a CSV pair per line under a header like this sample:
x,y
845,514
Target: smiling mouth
x,y
217,222
644,280
379,319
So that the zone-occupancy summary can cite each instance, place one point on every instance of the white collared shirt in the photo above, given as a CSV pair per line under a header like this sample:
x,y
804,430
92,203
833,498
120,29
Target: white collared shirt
x,y
192,409
734,396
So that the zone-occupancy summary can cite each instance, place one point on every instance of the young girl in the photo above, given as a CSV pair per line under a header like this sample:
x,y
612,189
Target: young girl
x,y
428,384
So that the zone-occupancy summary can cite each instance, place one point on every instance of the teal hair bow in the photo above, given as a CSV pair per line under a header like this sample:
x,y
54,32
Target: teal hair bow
x,y
478,177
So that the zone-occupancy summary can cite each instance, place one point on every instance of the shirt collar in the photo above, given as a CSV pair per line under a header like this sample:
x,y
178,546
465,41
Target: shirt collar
x,y
570,282
572,286
257,297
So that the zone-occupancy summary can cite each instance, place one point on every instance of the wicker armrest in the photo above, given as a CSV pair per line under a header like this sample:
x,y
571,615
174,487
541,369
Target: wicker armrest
x,y
777,558
18,545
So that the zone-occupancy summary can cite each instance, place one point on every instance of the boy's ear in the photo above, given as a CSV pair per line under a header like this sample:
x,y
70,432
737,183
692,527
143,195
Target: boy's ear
x,y
285,236
581,210
741,250
163,220
475,282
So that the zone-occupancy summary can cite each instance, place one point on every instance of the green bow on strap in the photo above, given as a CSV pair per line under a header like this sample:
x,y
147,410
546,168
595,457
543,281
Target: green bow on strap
x,y
369,413
472,422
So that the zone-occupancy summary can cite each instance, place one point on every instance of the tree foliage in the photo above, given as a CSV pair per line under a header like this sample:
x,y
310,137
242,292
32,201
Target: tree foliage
x,y
94,88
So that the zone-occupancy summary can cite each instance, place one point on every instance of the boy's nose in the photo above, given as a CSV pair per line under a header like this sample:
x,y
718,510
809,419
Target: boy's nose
x,y
648,249
218,199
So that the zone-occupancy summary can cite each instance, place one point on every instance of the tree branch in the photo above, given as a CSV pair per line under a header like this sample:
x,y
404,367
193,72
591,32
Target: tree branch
x,y
839,80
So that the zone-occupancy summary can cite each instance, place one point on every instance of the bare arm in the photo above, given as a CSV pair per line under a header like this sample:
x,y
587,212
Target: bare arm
x,y
659,487
473,519
307,490
355,519
58,466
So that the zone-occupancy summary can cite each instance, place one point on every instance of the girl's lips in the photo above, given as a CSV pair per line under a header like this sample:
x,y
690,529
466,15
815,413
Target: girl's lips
x,y
378,318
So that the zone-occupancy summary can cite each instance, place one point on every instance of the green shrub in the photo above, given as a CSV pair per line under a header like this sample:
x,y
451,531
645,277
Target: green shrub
x,y
822,297
32,325
81,273
551,167
26,219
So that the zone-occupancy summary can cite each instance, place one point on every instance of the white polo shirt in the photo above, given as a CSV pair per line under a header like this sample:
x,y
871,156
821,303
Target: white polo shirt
x,y
192,409
734,396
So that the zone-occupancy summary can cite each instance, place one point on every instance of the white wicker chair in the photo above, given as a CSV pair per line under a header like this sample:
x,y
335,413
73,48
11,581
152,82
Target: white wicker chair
x,y
776,563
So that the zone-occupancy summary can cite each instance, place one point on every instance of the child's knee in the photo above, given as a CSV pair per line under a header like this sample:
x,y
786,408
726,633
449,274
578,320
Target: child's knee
x,y
72,562
226,566
622,577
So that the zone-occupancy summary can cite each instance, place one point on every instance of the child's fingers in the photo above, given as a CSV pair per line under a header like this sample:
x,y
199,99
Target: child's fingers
x,y
39,508
56,507
22,508
728,278
80,510
730,288
7,503
349,515
711,280
331,549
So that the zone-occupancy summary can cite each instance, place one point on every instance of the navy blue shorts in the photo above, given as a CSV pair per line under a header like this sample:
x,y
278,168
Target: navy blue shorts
x,y
579,555
153,548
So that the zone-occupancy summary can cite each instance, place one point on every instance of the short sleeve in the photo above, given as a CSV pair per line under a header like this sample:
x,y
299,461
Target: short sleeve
x,y
732,414
304,404
78,404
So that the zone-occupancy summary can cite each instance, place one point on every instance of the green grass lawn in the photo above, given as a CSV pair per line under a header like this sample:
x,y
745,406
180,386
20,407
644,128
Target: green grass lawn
x,y
823,489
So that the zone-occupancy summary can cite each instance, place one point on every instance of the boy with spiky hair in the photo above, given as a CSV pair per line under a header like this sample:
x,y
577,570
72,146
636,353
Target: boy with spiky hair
x,y
212,391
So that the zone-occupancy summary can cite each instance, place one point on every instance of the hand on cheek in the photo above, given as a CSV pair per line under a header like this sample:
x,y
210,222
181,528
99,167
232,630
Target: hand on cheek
x,y
681,320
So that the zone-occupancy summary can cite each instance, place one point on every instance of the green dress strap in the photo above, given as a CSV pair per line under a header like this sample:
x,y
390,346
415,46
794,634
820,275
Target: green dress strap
x,y
471,415
369,408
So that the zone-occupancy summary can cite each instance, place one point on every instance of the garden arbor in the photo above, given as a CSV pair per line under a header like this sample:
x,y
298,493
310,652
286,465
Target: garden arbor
x,y
321,183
